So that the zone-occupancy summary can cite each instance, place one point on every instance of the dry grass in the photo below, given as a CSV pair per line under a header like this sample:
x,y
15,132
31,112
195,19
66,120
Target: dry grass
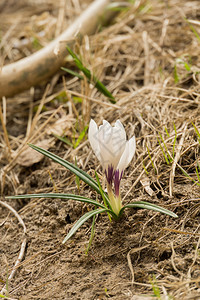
x,y
149,59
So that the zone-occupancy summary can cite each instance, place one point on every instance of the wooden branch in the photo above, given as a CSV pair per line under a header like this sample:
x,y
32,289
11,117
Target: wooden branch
x,y
32,70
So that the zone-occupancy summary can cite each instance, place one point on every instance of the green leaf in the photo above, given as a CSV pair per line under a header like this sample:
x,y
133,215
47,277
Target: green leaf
x,y
81,136
166,159
63,139
98,84
71,167
77,178
60,196
167,132
176,77
145,168
101,87
151,159
170,159
187,175
197,131
147,205
91,235
75,57
72,72
77,99
106,202
174,143
80,222
155,287
193,29
119,6
197,171
187,67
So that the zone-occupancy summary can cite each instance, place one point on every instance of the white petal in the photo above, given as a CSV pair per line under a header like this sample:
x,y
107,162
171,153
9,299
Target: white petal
x,y
119,125
110,145
93,138
127,154
112,142
105,144
118,144
106,123
119,138
121,129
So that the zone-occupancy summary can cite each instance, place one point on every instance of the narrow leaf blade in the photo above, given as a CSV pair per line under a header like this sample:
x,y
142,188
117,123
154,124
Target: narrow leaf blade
x,y
59,196
82,220
81,136
72,72
97,83
63,139
101,87
74,169
103,195
75,57
147,205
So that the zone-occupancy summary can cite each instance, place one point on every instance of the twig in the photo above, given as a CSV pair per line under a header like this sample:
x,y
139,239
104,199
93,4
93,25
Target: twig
x,y
196,253
173,264
23,245
146,51
134,250
2,119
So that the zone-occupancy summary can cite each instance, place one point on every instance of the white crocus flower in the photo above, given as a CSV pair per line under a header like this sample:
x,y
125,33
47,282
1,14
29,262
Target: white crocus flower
x,y
114,153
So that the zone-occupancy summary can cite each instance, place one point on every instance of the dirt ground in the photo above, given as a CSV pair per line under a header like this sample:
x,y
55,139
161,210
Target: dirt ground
x,y
149,59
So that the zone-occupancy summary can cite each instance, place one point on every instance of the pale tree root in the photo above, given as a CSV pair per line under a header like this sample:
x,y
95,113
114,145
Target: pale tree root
x,y
30,71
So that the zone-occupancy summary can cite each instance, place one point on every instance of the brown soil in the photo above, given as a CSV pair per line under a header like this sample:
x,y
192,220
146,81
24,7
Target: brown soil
x,y
149,59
